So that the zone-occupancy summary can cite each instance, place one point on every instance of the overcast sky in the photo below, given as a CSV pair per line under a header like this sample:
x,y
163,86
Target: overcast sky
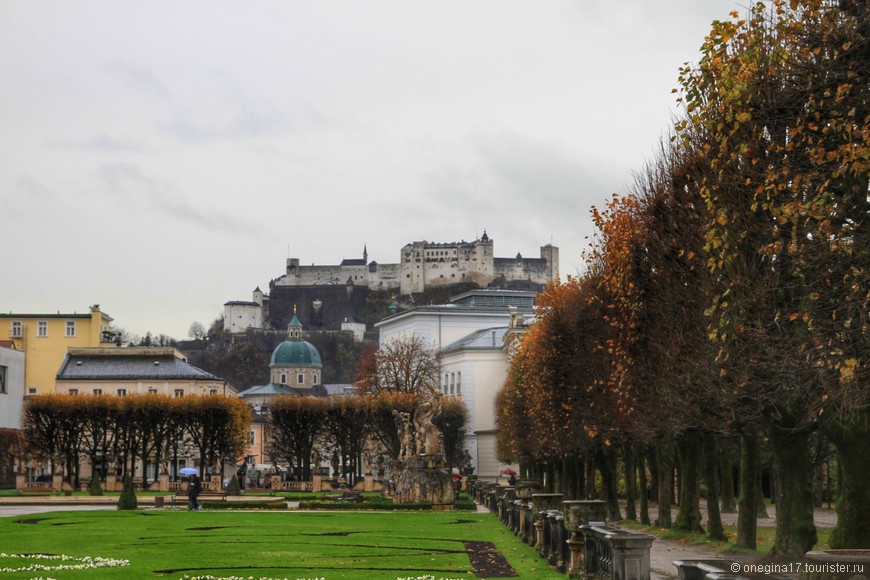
x,y
160,158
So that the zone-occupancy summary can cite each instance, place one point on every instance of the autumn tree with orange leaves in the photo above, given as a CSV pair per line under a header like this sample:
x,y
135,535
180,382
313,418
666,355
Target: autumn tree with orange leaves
x,y
778,108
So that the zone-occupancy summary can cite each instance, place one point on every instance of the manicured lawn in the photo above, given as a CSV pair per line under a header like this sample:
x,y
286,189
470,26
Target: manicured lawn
x,y
258,544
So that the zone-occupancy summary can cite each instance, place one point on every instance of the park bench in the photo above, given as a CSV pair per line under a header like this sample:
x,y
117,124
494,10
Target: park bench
x,y
351,496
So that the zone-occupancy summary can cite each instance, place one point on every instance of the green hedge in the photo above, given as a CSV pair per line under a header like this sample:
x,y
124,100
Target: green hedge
x,y
362,505
244,505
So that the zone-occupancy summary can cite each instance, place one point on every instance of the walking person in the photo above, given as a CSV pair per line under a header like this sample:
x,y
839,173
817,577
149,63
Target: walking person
x,y
194,488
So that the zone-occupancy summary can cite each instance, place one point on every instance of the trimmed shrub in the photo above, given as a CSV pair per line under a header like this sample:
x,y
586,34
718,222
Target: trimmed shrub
x,y
95,487
127,499
233,487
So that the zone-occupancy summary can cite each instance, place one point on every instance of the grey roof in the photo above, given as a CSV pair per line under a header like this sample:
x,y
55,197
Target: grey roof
x,y
487,338
273,389
107,367
341,389
265,391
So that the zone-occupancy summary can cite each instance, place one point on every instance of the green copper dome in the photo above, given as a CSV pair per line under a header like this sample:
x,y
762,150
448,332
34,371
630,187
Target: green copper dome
x,y
297,353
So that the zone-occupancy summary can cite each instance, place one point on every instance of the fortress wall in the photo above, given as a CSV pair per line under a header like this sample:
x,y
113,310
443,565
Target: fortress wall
x,y
535,269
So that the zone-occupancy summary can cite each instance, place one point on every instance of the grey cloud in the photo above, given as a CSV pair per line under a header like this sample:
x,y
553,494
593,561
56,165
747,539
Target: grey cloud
x,y
247,123
103,143
135,189
33,190
26,194
138,78
517,173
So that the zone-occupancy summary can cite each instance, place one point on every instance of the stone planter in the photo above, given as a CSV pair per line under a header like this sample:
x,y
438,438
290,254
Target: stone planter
x,y
546,501
582,511
527,487
837,565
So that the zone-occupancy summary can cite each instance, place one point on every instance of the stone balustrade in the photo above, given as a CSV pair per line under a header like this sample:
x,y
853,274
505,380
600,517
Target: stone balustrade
x,y
571,535
611,552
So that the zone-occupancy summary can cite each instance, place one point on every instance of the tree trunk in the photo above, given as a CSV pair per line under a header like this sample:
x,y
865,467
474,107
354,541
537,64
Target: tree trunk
x,y
609,477
715,530
795,530
589,466
726,474
644,487
689,448
665,483
630,482
853,505
747,528
760,506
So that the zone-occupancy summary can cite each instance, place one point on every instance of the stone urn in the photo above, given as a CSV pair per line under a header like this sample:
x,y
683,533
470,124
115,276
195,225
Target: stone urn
x,y
526,487
836,565
546,501
582,511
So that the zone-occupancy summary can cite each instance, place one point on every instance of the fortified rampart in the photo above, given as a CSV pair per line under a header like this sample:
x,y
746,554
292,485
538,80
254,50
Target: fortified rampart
x,y
426,264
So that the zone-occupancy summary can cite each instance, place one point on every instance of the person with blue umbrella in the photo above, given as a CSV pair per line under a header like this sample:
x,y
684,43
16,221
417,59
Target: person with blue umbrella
x,y
194,488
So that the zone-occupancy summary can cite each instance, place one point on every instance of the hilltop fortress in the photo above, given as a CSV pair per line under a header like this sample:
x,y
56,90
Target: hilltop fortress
x,y
426,264
329,297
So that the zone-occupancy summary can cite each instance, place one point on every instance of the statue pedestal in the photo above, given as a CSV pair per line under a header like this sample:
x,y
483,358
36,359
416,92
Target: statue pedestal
x,y
317,483
369,483
423,479
20,481
163,482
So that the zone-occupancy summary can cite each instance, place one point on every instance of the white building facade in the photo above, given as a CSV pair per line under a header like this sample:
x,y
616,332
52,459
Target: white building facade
x,y
11,387
469,334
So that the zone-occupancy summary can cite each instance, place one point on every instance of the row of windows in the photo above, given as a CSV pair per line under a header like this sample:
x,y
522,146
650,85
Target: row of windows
x,y
300,379
151,391
452,384
42,329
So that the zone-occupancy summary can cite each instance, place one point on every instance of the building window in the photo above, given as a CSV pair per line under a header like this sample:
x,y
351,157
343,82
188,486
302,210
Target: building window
x,y
73,391
42,328
283,379
452,379
2,380
252,438
98,391
300,378
70,328
458,383
17,329
315,379
122,392
179,393
31,390
212,392
152,391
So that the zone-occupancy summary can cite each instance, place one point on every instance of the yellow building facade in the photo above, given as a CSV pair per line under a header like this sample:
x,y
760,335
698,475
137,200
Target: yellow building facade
x,y
45,339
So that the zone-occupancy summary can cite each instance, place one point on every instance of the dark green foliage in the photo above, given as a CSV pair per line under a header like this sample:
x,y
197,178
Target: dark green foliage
x,y
233,487
362,506
244,505
95,488
127,499
451,422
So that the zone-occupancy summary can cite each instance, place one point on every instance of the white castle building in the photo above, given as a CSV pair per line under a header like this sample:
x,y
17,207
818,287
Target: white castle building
x,y
426,264
422,265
